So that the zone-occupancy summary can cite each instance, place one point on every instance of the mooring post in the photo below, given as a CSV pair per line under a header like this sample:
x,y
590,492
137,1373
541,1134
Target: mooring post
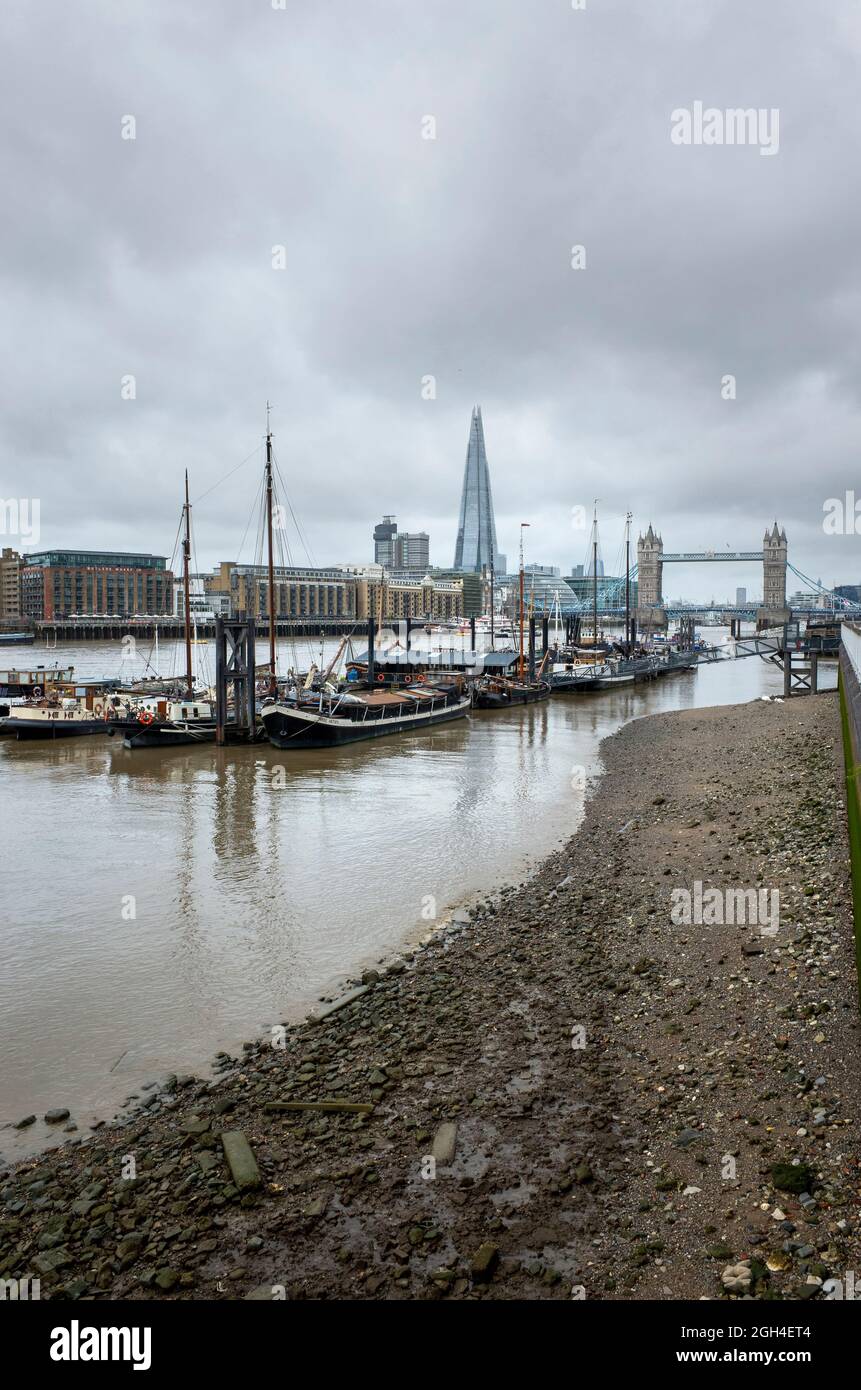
x,y
545,634
532,648
220,691
787,663
814,672
372,637
250,666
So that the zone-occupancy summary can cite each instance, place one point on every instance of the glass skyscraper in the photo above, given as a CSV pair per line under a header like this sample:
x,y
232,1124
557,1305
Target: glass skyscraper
x,y
476,547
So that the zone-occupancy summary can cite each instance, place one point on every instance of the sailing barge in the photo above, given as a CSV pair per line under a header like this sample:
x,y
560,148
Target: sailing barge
x,y
501,692
331,719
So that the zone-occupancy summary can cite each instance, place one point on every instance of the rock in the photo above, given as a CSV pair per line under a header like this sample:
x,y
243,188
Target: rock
x,y
167,1279
792,1177
55,1117
27,1120
484,1262
51,1261
130,1244
194,1125
687,1137
240,1160
736,1278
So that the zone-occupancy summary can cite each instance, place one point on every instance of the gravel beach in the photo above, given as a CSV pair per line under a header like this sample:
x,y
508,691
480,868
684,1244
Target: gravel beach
x,y
571,1094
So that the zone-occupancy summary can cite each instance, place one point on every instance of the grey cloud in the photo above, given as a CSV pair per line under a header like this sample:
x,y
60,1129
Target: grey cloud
x,y
406,257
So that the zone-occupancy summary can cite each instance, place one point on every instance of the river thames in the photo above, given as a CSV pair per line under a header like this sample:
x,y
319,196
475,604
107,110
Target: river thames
x,y
160,905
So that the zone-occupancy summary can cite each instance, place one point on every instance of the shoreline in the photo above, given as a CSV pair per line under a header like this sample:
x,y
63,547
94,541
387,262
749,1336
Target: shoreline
x,y
557,1168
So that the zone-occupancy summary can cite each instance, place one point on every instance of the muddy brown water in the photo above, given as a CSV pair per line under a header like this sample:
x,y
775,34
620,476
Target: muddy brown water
x,y
158,906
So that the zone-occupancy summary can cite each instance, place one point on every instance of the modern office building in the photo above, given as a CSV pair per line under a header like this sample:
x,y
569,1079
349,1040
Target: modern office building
x,y
412,550
474,587
740,598
400,550
205,604
384,541
62,583
476,547
10,583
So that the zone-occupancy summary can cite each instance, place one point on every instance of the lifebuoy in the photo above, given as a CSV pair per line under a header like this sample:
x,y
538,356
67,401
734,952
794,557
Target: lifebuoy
x,y
145,717
420,678
408,680
37,690
380,679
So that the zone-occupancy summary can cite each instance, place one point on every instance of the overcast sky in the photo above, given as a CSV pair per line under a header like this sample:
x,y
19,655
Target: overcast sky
x,y
407,257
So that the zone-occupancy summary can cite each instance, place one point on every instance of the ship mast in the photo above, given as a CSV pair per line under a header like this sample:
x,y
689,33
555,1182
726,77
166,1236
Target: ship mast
x,y
595,578
186,587
520,662
273,685
491,591
628,584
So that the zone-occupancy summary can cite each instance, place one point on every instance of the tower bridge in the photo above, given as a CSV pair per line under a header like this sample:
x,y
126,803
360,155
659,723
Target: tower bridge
x,y
651,558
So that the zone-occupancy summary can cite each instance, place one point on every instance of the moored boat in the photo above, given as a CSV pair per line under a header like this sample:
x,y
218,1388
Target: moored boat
x,y
93,712
170,723
332,719
498,692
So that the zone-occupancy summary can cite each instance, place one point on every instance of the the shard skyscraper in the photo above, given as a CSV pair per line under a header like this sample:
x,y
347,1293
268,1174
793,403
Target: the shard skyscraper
x,y
476,547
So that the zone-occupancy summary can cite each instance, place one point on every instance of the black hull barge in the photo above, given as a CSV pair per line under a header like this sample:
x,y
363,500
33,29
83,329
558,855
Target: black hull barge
x,y
352,718
502,694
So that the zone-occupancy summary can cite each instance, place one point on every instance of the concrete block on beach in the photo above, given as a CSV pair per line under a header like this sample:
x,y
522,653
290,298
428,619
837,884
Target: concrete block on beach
x,y
445,1144
240,1160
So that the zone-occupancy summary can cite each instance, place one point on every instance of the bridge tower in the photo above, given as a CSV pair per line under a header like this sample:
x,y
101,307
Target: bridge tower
x,y
774,551
650,580
650,569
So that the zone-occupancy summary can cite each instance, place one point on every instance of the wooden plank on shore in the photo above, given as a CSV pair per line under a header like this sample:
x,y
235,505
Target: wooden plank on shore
x,y
335,1107
338,1003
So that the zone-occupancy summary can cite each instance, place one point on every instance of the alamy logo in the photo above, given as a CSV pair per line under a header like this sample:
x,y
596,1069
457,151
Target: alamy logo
x,y
717,907
76,1343
842,515
19,1290
734,126
835,1290
19,516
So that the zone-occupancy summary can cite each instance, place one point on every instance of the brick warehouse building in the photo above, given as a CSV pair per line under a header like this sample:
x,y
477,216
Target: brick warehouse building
x,y
60,583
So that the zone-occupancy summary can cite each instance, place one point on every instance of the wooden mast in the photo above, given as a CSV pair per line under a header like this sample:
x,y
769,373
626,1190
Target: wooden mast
x,y
520,662
186,586
595,580
628,584
273,685
492,642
